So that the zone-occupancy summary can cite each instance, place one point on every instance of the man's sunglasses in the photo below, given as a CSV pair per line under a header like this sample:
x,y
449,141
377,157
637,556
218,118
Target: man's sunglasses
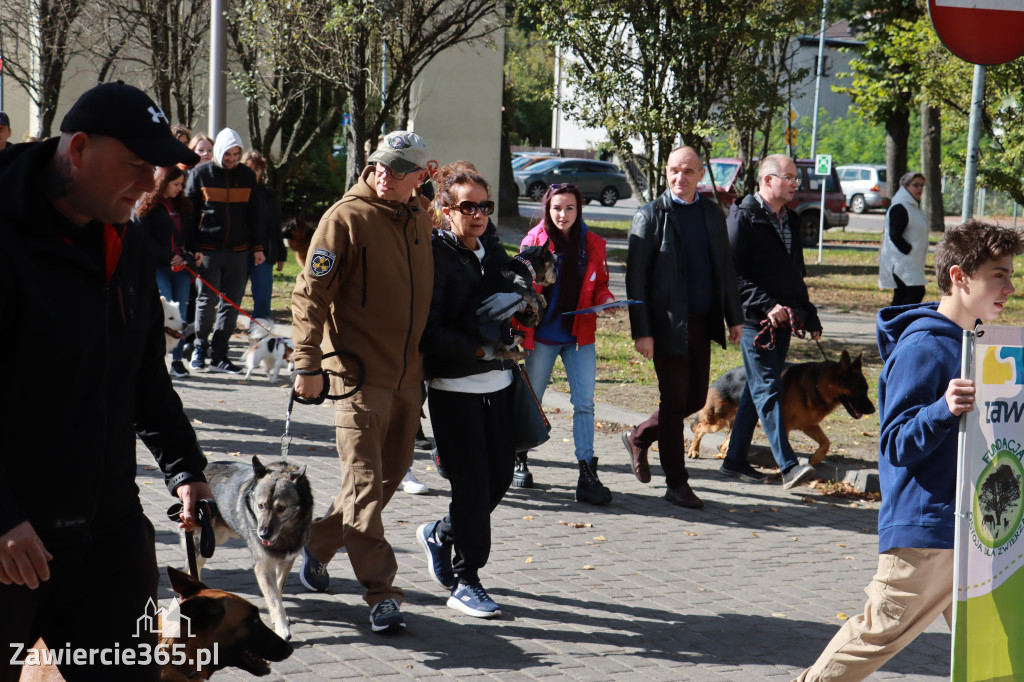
x,y
397,176
471,207
563,185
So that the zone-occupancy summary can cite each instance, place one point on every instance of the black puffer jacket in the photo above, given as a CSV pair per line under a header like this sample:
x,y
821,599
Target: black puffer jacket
x,y
452,334
767,275
90,332
228,213
158,227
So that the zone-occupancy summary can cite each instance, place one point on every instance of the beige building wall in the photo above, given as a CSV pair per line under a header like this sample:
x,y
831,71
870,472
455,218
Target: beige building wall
x,y
456,106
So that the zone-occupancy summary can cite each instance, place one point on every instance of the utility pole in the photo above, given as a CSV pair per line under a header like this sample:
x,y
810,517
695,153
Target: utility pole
x,y
817,80
218,66
973,135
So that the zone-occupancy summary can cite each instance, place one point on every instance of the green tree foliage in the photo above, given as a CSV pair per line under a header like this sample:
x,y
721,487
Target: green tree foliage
x,y
529,68
660,73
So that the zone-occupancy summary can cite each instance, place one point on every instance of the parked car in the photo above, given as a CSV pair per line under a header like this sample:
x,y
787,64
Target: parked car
x,y
599,180
522,160
864,186
806,201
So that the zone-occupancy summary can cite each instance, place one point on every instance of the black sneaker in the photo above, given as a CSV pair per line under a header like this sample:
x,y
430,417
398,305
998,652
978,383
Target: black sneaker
x,y
741,470
798,473
225,366
385,617
178,369
313,574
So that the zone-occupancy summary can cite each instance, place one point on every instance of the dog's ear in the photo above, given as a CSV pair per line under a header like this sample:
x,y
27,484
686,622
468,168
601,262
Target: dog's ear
x,y
258,468
202,612
296,475
183,583
844,360
857,362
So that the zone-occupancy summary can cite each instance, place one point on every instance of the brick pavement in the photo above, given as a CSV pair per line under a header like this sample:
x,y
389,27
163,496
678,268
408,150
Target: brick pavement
x,y
748,588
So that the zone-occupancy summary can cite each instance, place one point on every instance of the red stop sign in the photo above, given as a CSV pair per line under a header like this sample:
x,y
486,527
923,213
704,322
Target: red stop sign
x,y
980,31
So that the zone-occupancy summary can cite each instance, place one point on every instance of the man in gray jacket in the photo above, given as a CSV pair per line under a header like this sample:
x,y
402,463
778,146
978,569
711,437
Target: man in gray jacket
x,y
679,266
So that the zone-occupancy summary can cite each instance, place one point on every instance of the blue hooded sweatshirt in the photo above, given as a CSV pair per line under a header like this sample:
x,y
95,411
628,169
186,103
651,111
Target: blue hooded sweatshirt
x,y
917,454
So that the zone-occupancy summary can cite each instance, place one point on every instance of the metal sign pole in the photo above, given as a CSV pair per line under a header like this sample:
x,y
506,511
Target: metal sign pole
x,y
973,136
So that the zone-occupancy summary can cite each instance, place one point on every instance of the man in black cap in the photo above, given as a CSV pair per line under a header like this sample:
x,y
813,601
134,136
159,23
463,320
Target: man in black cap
x,y
5,130
92,377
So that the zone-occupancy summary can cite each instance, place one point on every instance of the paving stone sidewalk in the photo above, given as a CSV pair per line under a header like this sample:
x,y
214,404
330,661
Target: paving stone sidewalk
x,y
749,588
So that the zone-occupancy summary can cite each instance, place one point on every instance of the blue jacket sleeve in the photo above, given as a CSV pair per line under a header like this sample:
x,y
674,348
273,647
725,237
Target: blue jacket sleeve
x,y
915,418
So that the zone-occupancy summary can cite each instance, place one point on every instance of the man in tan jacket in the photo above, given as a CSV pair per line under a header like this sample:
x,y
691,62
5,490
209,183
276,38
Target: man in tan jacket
x,y
365,291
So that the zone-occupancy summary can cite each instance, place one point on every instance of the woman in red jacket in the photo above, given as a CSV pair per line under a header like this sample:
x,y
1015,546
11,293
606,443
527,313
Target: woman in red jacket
x,y
582,282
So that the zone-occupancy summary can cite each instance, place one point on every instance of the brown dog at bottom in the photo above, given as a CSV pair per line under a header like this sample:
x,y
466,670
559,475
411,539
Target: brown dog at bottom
x,y
218,621
810,391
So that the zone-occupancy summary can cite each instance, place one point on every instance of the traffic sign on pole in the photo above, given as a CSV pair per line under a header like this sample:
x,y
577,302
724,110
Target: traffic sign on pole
x,y
983,32
823,164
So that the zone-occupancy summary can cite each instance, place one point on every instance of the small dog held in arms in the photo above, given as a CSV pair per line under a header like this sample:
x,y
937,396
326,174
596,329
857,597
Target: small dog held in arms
x,y
174,326
271,508
534,265
273,353
810,391
217,621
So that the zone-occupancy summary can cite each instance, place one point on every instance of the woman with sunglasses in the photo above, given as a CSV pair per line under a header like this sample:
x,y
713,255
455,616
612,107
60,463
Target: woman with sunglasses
x,y
469,392
581,282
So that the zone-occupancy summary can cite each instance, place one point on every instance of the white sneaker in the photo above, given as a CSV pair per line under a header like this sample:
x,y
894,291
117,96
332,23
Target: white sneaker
x,y
413,486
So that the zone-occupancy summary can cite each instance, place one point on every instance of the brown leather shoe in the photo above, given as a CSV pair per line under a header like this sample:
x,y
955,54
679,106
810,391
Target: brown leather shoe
x,y
683,496
637,459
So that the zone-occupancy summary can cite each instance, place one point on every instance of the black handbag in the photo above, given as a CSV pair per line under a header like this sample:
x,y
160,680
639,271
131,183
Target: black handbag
x,y
532,428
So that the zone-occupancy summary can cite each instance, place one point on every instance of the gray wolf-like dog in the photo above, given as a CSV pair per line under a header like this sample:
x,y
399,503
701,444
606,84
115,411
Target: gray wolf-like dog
x,y
271,508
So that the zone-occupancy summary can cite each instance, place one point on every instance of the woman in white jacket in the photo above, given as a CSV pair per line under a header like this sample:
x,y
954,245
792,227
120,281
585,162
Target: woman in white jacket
x,y
905,243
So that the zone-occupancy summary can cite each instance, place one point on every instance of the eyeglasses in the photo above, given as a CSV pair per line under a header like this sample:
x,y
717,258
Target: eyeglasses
x,y
563,185
397,176
791,179
471,207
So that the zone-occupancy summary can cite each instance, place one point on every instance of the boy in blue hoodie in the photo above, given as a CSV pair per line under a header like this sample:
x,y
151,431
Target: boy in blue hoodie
x,y
921,398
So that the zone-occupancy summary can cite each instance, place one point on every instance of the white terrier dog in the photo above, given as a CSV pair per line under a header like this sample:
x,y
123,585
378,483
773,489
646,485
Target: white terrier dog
x,y
272,352
173,324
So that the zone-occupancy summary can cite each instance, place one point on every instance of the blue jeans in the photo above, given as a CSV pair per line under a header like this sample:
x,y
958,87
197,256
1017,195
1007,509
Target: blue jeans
x,y
762,398
581,368
262,279
175,286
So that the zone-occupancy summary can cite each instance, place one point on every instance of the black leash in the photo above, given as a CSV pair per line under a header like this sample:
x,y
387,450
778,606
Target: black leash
x,y
207,510
293,397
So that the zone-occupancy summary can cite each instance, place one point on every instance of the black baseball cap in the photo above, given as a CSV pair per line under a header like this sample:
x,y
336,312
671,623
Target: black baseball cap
x,y
4,119
126,113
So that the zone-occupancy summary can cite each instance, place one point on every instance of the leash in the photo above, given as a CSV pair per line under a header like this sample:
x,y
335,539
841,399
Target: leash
x,y
293,397
795,325
182,266
206,509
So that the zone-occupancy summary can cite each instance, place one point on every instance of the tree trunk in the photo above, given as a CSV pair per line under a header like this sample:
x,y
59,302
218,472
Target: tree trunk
x,y
897,139
931,153
356,135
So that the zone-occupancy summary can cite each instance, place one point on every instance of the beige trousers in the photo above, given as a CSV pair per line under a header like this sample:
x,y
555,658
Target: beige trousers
x,y
909,591
375,432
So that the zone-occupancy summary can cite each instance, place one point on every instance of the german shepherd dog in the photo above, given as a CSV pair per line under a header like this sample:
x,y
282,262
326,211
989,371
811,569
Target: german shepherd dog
x,y
534,265
216,618
810,391
271,508
299,234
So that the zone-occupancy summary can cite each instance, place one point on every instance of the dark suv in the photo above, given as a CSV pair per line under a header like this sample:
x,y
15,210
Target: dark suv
x,y
806,201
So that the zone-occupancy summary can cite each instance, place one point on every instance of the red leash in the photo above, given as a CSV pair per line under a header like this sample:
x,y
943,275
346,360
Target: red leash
x,y
182,266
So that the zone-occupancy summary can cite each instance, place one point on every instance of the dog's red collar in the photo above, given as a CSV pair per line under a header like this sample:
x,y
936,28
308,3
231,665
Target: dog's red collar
x,y
529,266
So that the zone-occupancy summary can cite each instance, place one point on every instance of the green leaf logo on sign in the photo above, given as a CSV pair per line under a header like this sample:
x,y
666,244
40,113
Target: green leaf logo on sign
x,y
823,164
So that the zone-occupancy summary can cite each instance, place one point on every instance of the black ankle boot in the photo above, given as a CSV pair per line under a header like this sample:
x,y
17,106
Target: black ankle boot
x,y
589,488
521,477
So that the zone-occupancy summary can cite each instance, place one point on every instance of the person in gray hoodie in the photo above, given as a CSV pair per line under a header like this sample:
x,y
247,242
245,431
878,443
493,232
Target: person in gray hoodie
x,y
230,226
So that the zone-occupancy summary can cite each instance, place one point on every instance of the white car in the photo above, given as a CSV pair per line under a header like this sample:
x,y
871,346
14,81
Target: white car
x,y
864,186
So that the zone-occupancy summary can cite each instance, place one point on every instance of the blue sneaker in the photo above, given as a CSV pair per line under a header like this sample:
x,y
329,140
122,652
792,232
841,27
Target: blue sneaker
x,y
473,601
313,574
385,616
439,555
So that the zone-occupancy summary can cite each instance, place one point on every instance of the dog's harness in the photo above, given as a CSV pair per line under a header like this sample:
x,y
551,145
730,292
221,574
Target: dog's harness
x,y
795,324
293,397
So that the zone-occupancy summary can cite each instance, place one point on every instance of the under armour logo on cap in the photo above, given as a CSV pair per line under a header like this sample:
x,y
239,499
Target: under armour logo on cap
x,y
158,115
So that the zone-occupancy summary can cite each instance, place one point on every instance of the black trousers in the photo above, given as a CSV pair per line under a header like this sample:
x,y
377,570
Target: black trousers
x,y
95,599
473,433
905,295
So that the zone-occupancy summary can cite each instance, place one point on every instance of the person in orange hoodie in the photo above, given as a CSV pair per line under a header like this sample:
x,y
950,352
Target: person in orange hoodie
x,y
582,282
